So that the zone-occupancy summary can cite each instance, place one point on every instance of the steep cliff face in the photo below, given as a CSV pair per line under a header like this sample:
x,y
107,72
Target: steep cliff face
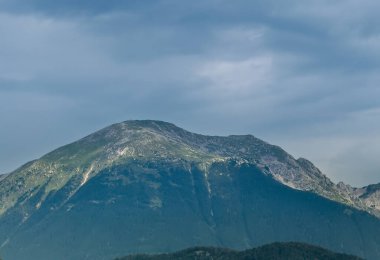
x,y
149,186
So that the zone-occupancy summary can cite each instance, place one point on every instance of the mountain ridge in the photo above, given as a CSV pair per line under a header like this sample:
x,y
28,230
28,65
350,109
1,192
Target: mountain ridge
x,y
152,171
304,175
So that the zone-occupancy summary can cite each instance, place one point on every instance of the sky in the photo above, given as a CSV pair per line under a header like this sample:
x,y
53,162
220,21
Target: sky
x,y
303,75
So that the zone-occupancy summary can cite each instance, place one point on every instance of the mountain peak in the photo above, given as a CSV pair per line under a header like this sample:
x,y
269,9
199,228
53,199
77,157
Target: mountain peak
x,y
149,123
151,141
155,125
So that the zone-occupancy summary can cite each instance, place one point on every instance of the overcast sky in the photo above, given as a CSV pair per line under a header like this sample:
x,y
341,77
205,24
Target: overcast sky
x,y
300,74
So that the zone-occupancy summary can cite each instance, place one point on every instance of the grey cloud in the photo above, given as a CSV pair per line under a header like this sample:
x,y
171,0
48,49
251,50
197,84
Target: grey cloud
x,y
290,72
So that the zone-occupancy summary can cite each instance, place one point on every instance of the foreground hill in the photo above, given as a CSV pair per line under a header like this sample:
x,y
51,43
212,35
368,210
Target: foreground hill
x,y
278,251
149,186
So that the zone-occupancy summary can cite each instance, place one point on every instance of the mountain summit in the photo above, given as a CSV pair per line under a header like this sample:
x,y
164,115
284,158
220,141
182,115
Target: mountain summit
x,y
150,187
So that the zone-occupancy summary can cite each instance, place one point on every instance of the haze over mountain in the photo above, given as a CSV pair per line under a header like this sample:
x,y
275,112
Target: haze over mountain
x,y
150,187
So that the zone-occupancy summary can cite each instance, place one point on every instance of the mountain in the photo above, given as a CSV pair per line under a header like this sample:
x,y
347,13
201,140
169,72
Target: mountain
x,y
150,187
280,251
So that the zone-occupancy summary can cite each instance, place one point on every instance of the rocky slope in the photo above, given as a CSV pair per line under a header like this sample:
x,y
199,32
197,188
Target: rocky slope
x,y
149,186
370,195
366,198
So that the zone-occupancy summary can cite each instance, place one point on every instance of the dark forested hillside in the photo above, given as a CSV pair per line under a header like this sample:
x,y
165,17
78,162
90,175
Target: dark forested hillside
x,y
275,251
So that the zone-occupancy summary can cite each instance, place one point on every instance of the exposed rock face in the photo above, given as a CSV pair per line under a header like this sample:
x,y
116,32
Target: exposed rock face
x,y
371,196
149,186
366,198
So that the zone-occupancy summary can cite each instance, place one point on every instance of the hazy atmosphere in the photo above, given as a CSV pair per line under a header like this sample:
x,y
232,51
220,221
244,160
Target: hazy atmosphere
x,y
300,74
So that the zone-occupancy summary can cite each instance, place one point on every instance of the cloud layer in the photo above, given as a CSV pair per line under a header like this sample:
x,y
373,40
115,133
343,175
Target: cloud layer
x,y
303,75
